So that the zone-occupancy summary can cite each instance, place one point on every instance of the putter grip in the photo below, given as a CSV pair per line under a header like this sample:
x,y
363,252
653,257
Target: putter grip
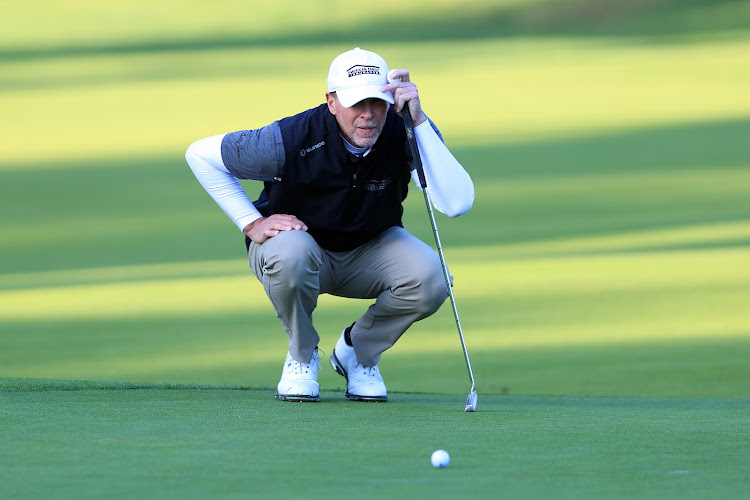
x,y
413,148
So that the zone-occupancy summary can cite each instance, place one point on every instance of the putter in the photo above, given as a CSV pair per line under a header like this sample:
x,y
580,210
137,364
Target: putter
x,y
471,401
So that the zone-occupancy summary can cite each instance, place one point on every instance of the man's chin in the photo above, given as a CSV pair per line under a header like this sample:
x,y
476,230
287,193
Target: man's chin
x,y
366,142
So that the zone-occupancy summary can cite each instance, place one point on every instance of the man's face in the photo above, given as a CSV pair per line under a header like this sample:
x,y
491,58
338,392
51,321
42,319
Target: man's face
x,y
362,123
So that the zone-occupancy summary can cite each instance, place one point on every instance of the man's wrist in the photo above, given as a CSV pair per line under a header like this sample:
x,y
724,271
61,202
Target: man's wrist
x,y
248,228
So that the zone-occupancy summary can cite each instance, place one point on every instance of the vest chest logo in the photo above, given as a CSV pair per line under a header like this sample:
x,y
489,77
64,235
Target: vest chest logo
x,y
377,185
305,151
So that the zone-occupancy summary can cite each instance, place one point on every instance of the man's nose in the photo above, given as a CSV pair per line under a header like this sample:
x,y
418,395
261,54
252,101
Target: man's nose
x,y
366,109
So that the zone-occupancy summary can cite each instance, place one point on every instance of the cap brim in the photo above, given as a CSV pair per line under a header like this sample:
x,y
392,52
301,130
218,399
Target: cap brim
x,y
351,96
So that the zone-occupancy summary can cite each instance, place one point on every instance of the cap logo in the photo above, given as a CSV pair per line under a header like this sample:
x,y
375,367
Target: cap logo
x,y
360,69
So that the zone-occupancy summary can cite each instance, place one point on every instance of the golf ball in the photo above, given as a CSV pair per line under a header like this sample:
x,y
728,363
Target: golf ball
x,y
440,459
391,79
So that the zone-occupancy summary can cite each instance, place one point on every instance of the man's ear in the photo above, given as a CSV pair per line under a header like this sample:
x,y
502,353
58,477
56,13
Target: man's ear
x,y
332,101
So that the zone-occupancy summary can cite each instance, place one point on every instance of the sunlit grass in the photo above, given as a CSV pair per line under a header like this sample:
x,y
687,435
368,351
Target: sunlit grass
x,y
154,103
144,299
36,24
633,297
717,234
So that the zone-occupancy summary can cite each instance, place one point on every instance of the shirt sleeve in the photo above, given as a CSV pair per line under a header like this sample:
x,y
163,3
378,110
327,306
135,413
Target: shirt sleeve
x,y
255,154
451,187
205,160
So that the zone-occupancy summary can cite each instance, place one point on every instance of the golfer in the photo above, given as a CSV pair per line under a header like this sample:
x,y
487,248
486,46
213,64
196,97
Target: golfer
x,y
328,219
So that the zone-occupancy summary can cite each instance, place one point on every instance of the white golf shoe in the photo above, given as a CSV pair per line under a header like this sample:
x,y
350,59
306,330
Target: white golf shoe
x,y
363,383
299,381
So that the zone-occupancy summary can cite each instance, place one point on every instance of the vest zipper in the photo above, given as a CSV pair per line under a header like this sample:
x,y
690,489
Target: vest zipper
x,y
354,177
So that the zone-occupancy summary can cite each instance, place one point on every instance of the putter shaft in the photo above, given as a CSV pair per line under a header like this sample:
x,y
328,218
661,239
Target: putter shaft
x,y
471,402
447,277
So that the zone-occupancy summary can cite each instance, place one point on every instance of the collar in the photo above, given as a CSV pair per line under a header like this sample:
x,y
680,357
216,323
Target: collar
x,y
361,152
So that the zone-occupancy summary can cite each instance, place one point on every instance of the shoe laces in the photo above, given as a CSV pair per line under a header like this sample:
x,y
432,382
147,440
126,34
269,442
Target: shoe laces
x,y
370,371
302,368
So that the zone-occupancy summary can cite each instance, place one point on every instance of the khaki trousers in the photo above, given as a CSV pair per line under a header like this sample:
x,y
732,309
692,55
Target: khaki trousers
x,y
402,274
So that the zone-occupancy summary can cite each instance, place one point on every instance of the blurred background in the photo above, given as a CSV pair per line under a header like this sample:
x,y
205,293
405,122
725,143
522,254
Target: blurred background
x,y
607,252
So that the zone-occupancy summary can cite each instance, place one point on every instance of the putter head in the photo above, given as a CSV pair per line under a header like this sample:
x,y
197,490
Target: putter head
x,y
471,402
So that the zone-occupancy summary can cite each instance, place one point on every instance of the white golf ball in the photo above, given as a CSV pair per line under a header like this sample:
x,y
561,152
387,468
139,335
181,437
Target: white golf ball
x,y
440,459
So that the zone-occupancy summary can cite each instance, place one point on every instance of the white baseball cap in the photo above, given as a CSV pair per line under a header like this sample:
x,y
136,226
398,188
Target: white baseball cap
x,y
358,74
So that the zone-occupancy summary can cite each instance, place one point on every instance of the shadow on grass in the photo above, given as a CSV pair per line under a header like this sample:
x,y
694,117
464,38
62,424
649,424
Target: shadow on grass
x,y
652,21
685,368
672,148
60,385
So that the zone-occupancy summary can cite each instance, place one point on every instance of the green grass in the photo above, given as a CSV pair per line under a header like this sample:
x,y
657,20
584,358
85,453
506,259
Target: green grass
x,y
602,277
124,442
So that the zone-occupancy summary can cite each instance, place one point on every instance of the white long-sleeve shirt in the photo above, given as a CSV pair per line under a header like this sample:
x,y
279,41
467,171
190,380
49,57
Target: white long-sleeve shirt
x,y
450,186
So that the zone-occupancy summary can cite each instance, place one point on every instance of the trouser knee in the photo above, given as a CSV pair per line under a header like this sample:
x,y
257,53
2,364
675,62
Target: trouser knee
x,y
431,290
293,258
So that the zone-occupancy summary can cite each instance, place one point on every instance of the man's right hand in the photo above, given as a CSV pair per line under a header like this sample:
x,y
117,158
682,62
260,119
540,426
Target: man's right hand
x,y
267,227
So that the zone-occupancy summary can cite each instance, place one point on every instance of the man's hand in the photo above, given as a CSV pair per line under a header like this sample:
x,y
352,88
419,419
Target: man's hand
x,y
267,227
405,91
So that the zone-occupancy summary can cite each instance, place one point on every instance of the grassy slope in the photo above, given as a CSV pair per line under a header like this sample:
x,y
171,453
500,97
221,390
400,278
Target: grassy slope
x,y
620,255
608,234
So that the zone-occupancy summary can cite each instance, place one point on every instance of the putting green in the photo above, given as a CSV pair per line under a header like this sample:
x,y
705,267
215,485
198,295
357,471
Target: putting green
x,y
67,439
